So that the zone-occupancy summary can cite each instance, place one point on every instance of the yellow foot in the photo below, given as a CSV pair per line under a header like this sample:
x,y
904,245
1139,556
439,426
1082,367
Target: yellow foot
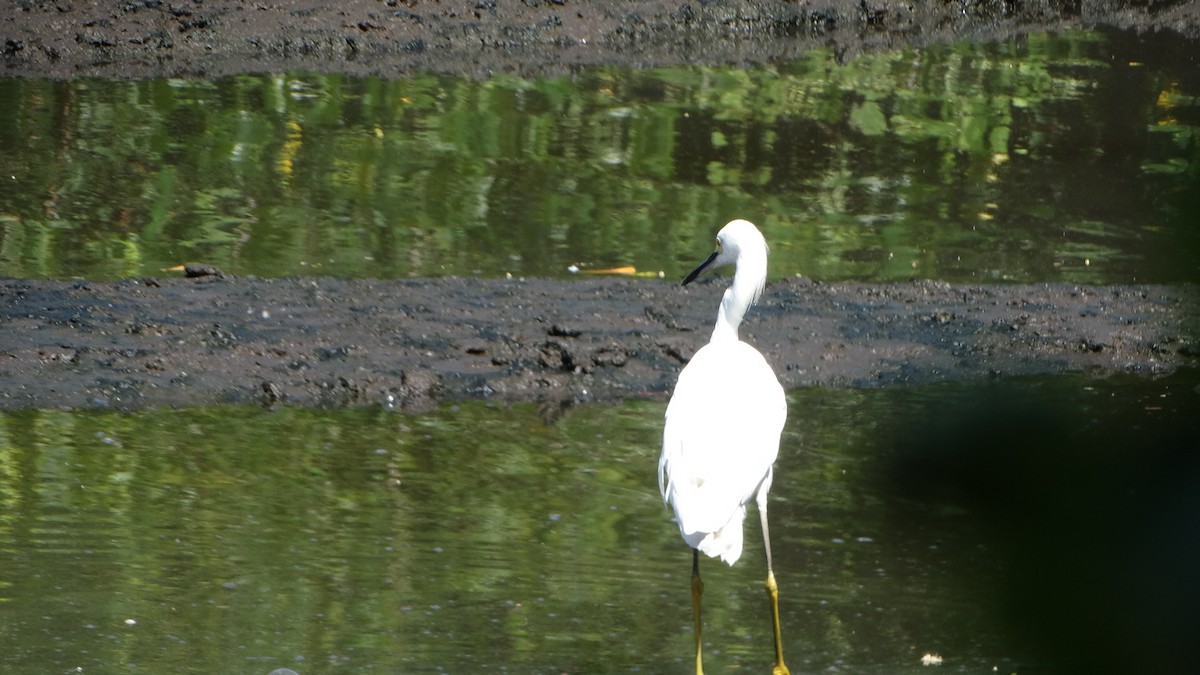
x,y
773,595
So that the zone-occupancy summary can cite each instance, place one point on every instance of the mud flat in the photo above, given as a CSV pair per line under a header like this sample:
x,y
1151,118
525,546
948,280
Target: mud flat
x,y
390,38
410,344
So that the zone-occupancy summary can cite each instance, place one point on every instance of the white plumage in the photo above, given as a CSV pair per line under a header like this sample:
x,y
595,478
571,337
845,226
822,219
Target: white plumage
x,y
720,440
723,424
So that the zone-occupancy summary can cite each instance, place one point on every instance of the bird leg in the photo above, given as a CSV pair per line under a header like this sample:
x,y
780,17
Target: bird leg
x,y
697,591
773,593
772,588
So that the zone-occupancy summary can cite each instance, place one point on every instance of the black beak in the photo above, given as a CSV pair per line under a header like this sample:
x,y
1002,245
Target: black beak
x,y
703,266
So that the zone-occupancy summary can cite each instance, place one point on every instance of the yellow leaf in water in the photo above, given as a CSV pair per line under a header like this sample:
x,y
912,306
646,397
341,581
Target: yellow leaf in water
x,y
628,269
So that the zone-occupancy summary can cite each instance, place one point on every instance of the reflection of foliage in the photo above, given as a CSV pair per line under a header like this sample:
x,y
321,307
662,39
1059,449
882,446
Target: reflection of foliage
x,y
322,534
475,535
471,535
879,167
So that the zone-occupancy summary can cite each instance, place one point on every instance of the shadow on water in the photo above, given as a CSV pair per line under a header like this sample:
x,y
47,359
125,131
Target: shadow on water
x,y
997,527
1090,501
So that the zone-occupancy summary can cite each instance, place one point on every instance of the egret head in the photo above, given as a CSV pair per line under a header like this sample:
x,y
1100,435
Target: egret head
x,y
738,240
740,243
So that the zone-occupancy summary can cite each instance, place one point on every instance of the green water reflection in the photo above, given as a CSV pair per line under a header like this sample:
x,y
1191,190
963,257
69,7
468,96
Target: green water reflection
x,y
1067,157
479,537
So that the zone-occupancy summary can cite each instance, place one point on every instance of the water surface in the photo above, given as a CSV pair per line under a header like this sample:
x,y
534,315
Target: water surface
x,y
1053,158
484,537
519,539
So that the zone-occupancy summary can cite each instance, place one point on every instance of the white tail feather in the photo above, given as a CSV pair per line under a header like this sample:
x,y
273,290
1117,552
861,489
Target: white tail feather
x,y
725,543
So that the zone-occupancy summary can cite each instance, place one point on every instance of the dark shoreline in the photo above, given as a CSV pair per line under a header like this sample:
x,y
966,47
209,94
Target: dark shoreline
x,y
63,39
320,342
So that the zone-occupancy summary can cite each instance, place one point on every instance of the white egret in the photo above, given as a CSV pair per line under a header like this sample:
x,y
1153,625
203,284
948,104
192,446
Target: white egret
x,y
722,427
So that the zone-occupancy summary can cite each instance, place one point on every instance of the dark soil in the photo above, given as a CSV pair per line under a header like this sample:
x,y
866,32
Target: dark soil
x,y
409,344
325,342
208,38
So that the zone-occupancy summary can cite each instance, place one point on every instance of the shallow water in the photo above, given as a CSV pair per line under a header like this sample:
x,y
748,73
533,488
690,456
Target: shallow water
x,y
1055,158
513,539
519,539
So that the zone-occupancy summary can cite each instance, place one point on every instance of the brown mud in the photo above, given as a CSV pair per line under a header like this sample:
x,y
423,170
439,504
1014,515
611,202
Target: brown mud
x,y
209,38
409,344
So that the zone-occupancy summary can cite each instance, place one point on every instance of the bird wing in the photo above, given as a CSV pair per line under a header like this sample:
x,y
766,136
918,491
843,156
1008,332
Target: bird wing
x,y
721,434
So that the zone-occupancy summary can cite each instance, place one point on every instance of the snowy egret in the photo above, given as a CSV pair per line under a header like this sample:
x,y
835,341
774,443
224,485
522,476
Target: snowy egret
x,y
722,427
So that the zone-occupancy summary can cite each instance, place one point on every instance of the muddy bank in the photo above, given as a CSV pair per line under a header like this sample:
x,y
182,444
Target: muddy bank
x,y
325,342
409,344
209,38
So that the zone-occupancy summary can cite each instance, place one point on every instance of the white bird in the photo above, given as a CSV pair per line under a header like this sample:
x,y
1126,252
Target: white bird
x,y
722,427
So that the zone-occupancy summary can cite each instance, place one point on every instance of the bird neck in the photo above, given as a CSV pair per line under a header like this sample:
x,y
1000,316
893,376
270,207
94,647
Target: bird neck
x,y
748,282
735,302
728,320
